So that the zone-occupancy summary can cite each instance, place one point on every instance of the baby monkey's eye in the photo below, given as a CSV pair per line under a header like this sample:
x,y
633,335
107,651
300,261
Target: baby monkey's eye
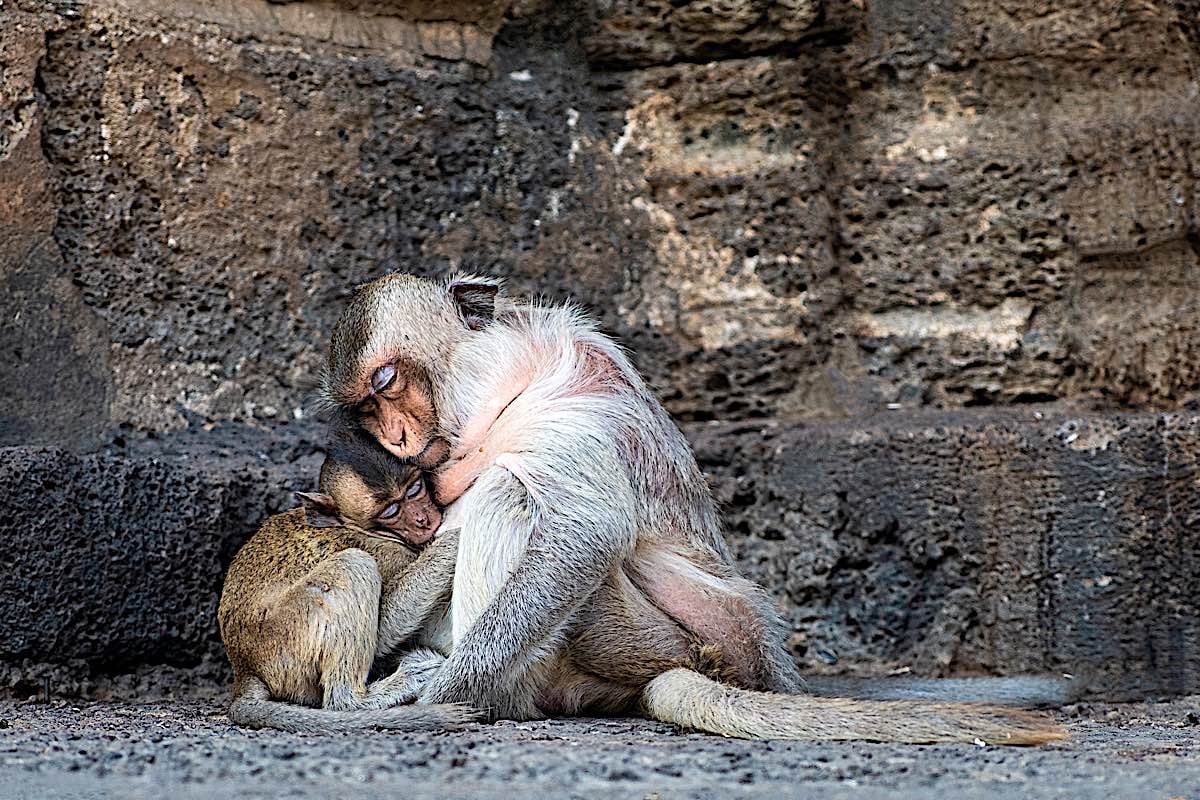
x,y
390,511
414,488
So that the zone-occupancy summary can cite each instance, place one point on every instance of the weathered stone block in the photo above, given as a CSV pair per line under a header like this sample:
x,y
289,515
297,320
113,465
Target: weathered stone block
x,y
977,541
114,561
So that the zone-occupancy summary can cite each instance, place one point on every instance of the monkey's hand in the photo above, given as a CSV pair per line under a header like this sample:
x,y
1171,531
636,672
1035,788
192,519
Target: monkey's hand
x,y
410,677
496,699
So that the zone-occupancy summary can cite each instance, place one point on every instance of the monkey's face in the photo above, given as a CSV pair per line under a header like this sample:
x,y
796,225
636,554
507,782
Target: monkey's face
x,y
401,509
398,409
407,514
393,340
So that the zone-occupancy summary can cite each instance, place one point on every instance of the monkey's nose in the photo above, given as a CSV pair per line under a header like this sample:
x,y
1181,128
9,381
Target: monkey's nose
x,y
395,432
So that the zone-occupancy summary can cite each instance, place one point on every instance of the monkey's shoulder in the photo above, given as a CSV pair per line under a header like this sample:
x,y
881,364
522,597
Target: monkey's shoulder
x,y
286,547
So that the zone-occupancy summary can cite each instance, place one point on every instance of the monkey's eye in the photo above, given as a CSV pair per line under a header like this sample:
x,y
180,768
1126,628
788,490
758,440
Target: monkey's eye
x,y
414,489
383,377
390,512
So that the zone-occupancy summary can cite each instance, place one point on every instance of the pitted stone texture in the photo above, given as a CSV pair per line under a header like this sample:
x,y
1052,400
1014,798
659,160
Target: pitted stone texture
x,y
115,561
639,33
930,205
54,375
864,205
976,542
957,543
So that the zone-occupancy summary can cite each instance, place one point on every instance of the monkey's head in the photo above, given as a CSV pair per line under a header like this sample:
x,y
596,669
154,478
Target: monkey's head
x,y
394,337
365,488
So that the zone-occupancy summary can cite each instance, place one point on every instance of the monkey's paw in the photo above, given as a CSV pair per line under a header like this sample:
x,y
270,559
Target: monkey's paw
x,y
496,702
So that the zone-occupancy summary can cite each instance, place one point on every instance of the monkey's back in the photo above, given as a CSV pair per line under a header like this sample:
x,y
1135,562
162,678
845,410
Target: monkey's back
x,y
283,551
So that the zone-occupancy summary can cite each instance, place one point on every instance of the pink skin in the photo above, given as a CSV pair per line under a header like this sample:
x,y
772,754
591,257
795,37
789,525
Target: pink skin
x,y
699,600
481,440
702,603
479,427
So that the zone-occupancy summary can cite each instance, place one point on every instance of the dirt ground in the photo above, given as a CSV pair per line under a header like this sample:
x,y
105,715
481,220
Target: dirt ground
x,y
187,749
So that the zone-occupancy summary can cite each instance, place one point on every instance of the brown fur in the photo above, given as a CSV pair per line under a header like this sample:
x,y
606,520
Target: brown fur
x,y
365,488
592,570
302,621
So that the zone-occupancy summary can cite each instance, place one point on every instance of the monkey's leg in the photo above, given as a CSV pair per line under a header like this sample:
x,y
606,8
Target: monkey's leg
x,y
723,611
620,636
533,547
339,599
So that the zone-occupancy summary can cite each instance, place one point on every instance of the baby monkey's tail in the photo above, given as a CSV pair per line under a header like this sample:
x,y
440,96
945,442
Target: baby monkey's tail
x,y
689,699
252,707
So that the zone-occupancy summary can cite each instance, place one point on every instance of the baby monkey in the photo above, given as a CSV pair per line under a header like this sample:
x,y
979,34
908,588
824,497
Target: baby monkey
x,y
318,592
367,489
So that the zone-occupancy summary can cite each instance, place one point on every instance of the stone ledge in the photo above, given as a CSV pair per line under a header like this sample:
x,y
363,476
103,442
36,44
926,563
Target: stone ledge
x,y
465,35
960,543
116,561
978,542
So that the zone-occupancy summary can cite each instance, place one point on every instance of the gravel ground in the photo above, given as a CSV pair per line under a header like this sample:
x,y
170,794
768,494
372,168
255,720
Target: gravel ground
x,y
186,748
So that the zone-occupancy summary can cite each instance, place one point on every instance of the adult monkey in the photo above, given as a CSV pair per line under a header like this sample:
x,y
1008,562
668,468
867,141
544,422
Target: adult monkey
x,y
578,492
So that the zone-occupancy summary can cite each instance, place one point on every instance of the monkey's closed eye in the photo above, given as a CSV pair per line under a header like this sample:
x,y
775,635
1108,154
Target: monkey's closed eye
x,y
390,511
414,488
383,377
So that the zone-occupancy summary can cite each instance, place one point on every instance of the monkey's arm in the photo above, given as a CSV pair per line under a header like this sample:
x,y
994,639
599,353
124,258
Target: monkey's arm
x,y
411,597
569,516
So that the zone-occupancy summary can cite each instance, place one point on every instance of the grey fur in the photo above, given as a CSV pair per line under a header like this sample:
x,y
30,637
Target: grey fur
x,y
592,489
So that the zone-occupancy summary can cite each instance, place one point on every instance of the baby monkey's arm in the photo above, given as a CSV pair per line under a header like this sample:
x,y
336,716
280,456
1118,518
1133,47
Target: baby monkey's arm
x,y
411,597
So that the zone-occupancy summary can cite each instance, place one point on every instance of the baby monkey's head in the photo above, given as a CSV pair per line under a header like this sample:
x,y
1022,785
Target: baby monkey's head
x,y
366,488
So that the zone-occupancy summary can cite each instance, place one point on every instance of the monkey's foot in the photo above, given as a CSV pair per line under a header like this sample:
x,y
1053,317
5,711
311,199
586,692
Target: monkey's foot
x,y
495,702
405,684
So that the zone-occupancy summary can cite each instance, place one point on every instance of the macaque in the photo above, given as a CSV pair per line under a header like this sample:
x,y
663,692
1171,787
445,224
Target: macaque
x,y
319,592
582,513
366,489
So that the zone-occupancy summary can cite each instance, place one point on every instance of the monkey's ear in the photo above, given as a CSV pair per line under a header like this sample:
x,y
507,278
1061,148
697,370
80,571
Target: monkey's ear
x,y
319,510
475,300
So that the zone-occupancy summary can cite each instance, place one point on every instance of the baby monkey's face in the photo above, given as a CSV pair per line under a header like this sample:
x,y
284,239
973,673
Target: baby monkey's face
x,y
366,488
402,508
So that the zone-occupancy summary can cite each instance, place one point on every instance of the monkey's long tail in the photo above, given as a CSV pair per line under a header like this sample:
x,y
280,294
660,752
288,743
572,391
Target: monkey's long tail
x,y
253,708
1016,690
691,700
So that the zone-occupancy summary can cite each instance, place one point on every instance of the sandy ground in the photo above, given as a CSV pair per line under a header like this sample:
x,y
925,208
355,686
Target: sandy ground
x,y
187,749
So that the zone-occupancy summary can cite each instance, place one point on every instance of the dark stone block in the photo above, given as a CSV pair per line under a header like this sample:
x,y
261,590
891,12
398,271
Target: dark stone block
x,y
952,544
977,542
114,561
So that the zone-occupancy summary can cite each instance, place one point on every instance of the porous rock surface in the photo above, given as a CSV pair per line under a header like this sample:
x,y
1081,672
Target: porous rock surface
x,y
824,227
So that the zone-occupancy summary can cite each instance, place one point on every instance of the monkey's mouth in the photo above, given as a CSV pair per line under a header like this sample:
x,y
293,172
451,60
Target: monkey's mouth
x,y
413,541
423,537
434,454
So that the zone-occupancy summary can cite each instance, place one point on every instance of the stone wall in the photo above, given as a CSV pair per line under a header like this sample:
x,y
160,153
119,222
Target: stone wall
x,y
811,220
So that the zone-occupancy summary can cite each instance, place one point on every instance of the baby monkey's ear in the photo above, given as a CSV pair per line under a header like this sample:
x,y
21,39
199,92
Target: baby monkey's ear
x,y
475,299
319,510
